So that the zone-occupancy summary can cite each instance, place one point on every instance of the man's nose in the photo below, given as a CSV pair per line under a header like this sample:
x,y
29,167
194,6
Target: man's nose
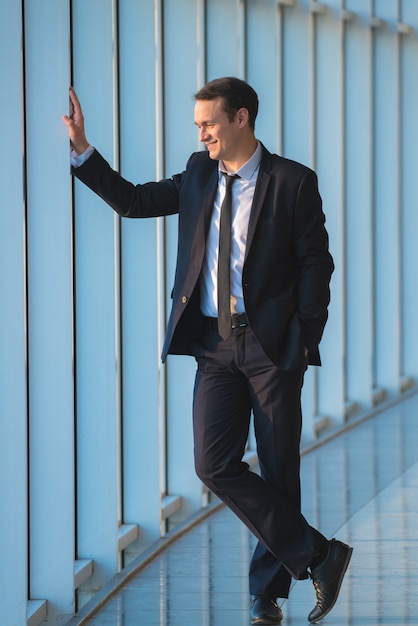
x,y
203,135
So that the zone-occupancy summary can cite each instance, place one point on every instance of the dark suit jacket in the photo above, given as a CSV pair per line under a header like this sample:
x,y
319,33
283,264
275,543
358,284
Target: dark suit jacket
x,y
287,265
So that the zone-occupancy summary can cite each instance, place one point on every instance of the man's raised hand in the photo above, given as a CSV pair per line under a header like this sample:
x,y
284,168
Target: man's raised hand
x,y
75,124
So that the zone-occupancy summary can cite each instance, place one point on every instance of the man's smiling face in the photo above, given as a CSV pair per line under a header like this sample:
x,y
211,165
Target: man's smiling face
x,y
221,137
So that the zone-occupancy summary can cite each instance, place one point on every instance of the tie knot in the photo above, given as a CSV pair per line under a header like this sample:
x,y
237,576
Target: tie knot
x,y
229,178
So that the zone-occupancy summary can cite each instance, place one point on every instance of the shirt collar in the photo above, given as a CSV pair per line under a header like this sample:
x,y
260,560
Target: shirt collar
x,y
248,170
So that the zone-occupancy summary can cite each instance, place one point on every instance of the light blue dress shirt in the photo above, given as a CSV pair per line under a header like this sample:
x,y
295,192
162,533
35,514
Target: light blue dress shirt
x,y
242,199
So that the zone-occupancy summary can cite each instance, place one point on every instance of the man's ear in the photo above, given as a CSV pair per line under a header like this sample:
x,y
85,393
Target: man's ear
x,y
242,117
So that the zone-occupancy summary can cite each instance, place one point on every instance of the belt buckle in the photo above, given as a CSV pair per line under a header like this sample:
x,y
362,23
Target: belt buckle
x,y
239,320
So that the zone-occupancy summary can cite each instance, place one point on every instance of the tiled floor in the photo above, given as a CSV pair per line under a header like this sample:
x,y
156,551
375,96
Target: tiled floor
x,y
361,487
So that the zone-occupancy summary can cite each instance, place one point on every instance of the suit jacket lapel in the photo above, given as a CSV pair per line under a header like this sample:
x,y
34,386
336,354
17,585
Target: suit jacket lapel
x,y
203,222
261,187
208,201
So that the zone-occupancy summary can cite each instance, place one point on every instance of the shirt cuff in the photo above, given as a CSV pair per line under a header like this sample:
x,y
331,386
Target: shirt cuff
x,y
78,159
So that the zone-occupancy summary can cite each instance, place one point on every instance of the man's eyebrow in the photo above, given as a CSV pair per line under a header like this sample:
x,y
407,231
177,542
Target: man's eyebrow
x,y
205,122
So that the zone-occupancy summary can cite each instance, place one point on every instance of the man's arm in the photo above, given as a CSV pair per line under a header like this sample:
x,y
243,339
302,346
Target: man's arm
x,y
314,261
127,199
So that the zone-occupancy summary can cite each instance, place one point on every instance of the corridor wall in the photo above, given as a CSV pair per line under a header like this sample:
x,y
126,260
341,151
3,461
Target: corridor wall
x,y
96,452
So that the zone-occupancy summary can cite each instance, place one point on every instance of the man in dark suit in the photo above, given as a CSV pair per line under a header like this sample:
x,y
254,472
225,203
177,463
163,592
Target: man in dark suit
x,y
250,302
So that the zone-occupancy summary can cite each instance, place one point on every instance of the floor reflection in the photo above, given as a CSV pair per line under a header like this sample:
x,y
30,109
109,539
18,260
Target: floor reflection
x,y
361,487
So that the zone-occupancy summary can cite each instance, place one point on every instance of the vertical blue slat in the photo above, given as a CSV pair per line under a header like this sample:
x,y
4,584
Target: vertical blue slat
x,y
297,105
298,136
141,358
263,42
96,366
329,165
13,401
409,159
50,307
223,26
358,195
386,222
180,142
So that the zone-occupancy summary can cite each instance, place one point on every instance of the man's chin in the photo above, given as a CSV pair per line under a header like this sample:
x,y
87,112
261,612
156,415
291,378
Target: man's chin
x,y
213,155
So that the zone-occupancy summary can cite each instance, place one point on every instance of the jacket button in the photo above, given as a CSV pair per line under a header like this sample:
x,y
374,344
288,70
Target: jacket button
x,y
184,299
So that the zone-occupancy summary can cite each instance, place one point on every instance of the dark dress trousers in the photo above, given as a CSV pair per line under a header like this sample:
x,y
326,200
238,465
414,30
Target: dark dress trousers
x,y
260,368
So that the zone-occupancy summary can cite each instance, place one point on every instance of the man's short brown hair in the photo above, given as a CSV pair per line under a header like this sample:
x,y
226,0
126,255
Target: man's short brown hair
x,y
235,93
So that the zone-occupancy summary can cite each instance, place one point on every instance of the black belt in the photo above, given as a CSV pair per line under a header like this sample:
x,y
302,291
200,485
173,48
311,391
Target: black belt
x,y
238,320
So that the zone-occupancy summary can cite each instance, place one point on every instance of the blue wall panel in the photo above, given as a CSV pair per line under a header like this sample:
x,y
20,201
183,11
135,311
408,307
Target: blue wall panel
x,y
13,401
50,292
103,428
408,159
139,297
96,232
223,25
180,142
297,92
328,162
386,198
358,215
263,41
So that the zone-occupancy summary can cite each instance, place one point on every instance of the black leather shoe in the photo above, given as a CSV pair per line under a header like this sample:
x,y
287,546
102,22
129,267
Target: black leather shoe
x,y
327,578
265,610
